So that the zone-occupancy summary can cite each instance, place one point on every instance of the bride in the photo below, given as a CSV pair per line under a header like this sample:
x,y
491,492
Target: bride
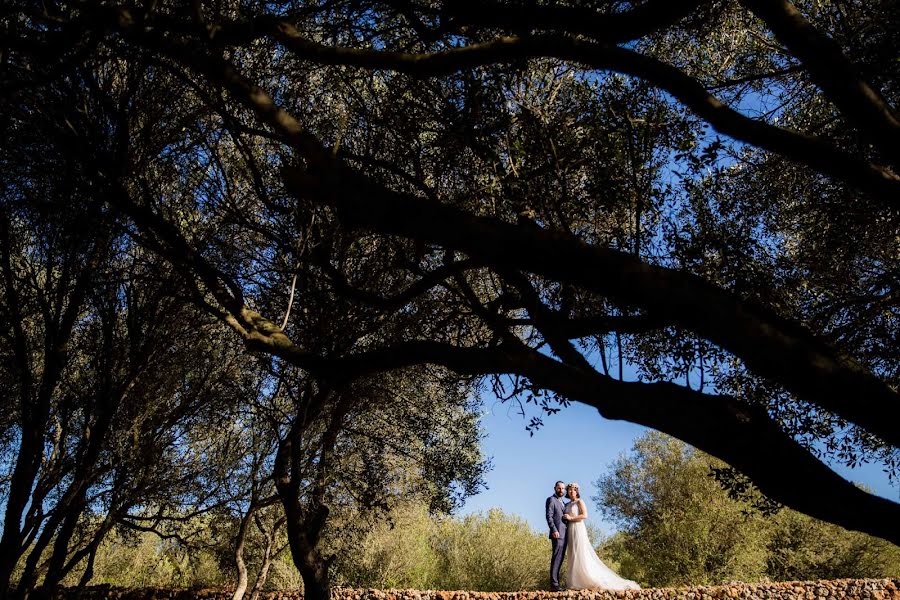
x,y
586,570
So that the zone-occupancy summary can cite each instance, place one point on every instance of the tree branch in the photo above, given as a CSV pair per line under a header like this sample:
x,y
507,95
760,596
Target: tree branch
x,y
770,345
796,146
816,153
398,300
543,319
859,102
609,28
740,434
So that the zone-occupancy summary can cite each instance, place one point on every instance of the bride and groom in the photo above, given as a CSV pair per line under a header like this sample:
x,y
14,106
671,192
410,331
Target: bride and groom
x,y
568,535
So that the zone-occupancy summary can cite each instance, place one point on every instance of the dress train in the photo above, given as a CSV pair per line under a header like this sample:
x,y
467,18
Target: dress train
x,y
586,570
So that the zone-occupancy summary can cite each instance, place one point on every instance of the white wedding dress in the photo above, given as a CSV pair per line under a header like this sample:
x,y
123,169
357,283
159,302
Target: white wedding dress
x,y
586,570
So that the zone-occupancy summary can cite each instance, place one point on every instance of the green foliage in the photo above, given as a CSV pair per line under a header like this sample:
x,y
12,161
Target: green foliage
x,y
492,552
410,548
487,552
130,559
679,527
803,548
144,560
396,553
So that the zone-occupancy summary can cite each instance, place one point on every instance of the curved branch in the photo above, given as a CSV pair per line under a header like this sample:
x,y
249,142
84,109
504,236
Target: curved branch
x,y
544,318
770,345
796,146
610,28
257,332
426,282
740,434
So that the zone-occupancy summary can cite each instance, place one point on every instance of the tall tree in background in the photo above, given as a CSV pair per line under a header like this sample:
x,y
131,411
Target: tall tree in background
x,y
663,494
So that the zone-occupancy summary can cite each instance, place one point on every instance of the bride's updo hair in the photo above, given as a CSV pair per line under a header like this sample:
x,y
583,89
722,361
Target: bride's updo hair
x,y
574,485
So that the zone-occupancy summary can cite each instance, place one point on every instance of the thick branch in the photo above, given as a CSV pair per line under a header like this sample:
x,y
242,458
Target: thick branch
x,y
609,28
543,320
744,436
819,155
771,346
258,332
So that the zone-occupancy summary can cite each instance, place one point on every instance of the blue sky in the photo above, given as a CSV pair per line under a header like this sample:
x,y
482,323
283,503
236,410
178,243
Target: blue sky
x,y
576,444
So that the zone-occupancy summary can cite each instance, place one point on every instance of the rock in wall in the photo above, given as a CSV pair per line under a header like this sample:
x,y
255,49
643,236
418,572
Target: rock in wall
x,y
862,589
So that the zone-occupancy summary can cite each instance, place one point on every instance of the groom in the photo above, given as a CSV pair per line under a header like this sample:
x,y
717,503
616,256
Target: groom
x,y
555,509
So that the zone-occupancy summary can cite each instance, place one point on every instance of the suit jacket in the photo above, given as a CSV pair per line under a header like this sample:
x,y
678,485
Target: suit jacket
x,y
555,508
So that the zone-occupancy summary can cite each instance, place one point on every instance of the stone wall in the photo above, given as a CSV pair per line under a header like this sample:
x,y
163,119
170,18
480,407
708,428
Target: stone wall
x,y
863,589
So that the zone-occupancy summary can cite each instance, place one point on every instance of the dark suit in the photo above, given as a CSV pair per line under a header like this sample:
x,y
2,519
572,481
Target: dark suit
x,y
555,509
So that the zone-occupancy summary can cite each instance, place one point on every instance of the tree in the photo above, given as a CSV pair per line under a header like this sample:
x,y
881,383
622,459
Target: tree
x,y
678,526
93,352
803,549
313,439
128,382
349,457
402,161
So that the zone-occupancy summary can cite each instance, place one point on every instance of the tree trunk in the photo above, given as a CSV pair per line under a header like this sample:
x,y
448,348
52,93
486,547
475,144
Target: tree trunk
x,y
91,550
305,523
314,570
35,408
239,563
268,555
304,529
56,563
22,481
29,573
71,505
89,568
62,514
